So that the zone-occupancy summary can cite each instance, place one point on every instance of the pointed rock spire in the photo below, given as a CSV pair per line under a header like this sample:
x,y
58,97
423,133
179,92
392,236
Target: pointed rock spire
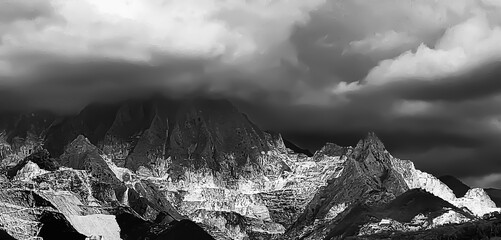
x,y
78,153
371,145
81,143
82,155
371,141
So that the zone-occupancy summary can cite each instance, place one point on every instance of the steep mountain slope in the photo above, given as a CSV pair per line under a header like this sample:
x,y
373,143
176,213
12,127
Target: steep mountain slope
x,y
92,122
151,133
416,201
368,179
371,196
475,200
458,187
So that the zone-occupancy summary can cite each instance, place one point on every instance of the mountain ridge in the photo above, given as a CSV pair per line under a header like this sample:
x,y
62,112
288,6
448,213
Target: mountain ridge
x,y
166,161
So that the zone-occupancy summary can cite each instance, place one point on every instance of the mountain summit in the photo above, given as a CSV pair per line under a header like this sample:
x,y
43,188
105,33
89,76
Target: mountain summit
x,y
156,132
368,179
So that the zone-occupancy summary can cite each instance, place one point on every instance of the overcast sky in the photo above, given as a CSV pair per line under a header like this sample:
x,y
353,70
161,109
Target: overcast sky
x,y
424,75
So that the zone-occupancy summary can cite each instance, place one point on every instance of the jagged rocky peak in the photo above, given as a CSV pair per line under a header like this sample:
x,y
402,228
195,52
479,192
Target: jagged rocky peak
x,y
368,180
161,133
371,144
372,157
81,144
79,153
217,133
92,122
375,162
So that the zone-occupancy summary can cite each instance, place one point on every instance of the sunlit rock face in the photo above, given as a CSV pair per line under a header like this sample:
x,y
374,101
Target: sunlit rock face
x,y
476,200
297,186
29,171
268,202
449,217
29,200
82,195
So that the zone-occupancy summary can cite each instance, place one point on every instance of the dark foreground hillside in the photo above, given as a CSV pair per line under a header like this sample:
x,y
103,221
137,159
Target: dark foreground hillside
x,y
488,228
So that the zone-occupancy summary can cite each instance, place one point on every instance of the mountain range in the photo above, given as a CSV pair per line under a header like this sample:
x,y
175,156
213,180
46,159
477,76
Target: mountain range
x,y
161,168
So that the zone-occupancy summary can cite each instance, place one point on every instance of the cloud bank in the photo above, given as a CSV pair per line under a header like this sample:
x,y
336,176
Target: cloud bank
x,y
423,74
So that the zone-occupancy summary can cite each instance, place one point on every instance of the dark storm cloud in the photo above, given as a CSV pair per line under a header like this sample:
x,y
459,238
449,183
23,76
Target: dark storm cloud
x,y
424,75
480,82
180,47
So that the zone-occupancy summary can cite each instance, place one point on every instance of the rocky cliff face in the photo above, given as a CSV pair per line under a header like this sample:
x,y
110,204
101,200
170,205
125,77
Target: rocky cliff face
x,y
148,168
475,200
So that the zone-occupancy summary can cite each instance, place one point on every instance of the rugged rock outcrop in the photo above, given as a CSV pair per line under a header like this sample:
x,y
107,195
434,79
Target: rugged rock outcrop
x,y
475,200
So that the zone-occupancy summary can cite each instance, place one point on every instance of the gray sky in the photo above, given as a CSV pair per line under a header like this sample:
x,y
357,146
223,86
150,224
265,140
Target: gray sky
x,y
424,75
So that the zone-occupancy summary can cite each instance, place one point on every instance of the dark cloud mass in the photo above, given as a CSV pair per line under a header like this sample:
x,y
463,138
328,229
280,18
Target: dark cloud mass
x,y
424,75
